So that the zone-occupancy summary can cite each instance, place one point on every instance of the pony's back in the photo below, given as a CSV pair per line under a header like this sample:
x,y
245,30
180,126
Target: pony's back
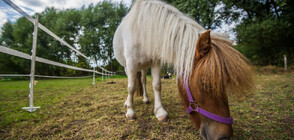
x,y
163,33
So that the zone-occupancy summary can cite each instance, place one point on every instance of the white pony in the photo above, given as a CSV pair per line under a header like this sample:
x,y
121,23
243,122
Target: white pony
x,y
151,34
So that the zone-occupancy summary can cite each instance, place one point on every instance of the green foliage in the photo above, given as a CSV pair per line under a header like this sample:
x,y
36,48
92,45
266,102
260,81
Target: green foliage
x,y
203,11
89,29
98,26
264,42
266,32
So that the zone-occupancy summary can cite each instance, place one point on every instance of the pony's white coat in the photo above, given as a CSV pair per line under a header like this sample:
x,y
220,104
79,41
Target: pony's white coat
x,y
153,33
164,33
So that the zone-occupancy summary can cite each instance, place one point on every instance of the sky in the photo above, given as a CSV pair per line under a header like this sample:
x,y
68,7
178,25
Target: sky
x,y
33,6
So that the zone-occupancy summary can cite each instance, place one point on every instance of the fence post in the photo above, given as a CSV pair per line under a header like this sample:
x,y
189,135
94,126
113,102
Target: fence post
x,y
32,75
93,75
285,62
102,74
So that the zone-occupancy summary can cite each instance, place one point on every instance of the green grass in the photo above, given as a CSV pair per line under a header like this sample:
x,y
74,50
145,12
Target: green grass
x,y
268,113
76,109
14,96
118,76
112,77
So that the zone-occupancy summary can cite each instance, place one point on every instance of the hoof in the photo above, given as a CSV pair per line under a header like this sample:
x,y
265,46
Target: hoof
x,y
131,117
162,119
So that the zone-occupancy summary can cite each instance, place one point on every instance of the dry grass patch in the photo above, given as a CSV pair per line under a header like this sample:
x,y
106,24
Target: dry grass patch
x,y
97,112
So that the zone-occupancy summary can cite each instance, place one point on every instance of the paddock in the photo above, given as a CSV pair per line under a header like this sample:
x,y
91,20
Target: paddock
x,y
74,109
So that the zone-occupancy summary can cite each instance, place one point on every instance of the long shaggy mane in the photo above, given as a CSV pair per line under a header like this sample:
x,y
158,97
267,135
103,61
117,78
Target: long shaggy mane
x,y
169,36
224,70
165,33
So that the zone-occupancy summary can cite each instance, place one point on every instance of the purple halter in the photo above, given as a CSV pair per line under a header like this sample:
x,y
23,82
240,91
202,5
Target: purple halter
x,y
202,111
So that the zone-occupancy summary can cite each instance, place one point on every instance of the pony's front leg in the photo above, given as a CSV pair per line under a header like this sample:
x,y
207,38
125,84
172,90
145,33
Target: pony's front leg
x,y
159,111
131,90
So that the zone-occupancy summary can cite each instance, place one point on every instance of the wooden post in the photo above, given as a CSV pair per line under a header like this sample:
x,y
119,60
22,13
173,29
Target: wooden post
x,y
33,62
285,62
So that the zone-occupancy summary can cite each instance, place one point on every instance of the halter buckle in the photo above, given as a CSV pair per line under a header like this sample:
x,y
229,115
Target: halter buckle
x,y
194,105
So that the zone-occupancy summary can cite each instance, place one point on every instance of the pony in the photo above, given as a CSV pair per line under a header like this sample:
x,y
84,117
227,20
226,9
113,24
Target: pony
x,y
208,68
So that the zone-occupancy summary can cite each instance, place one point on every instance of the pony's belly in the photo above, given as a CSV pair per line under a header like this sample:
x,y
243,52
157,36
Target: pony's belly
x,y
143,65
119,57
139,62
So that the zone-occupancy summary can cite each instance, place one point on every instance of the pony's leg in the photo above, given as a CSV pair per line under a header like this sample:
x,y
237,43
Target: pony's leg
x,y
159,111
143,80
125,104
131,90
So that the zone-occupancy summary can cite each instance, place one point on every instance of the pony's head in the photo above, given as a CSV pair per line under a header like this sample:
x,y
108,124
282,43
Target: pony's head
x,y
219,70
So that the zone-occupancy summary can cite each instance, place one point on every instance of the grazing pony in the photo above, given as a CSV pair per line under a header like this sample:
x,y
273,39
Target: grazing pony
x,y
208,68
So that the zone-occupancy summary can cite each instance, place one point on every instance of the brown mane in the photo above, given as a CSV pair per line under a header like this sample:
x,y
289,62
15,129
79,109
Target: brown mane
x,y
223,70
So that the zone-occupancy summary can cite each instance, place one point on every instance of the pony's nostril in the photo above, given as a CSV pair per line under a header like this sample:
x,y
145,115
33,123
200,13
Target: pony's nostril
x,y
204,133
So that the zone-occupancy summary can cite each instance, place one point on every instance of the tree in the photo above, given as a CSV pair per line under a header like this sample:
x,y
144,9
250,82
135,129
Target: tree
x,y
98,26
266,32
89,29
7,39
263,42
64,24
207,13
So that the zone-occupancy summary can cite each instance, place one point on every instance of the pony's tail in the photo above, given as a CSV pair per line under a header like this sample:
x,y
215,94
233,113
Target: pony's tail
x,y
139,85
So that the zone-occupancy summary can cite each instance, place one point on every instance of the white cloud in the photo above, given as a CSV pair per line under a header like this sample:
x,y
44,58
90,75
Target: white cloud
x,y
228,29
33,6
40,5
3,19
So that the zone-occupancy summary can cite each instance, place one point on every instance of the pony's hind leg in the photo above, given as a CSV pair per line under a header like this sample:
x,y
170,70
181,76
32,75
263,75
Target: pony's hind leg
x,y
125,104
143,80
159,111
131,90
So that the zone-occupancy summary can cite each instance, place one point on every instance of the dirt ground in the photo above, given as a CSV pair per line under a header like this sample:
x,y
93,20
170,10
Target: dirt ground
x,y
97,112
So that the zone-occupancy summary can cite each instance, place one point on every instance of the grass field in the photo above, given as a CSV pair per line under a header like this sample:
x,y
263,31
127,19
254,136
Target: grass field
x,y
75,109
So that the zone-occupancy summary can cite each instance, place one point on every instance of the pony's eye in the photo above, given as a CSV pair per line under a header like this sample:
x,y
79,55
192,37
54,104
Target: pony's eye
x,y
205,85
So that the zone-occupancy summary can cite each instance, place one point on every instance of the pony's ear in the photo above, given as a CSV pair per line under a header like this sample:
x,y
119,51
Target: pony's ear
x,y
203,45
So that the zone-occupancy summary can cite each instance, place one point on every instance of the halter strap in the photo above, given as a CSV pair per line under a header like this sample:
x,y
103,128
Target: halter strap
x,y
202,111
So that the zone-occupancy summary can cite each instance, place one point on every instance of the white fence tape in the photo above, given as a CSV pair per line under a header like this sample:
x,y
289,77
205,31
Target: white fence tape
x,y
20,75
33,58
44,76
43,60
15,7
61,77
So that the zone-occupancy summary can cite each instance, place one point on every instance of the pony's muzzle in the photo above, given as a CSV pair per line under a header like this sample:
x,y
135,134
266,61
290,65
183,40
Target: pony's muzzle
x,y
216,131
